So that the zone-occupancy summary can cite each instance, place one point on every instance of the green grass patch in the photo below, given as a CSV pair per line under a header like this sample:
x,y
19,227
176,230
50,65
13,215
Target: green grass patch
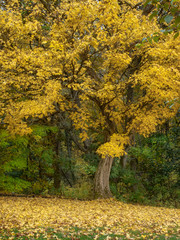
x,y
81,234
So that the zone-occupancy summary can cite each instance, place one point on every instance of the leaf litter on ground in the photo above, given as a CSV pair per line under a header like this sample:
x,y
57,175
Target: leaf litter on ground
x,y
49,216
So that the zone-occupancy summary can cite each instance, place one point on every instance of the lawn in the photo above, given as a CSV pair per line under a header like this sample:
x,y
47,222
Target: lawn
x,y
55,218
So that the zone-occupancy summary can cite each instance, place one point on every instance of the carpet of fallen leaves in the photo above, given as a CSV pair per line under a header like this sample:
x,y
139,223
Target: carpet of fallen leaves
x,y
62,214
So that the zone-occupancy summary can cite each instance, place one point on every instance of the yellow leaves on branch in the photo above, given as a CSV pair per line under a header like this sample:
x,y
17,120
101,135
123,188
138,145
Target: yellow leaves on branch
x,y
116,217
159,81
115,147
40,107
89,50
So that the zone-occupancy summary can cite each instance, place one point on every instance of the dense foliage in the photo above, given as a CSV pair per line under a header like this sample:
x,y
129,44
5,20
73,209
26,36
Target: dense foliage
x,y
84,92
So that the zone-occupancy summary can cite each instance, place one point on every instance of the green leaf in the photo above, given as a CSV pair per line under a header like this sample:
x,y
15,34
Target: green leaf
x,y
156,33
166,6
176,35
42,131
147,2
162,19
177,20
156,38
149,40
168,19
153,15
138,45
173,10
47,155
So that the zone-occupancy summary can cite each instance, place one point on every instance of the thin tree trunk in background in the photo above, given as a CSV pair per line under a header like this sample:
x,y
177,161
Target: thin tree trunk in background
x,y
133,167
123,161
101,182
40,169
57,175
69,153
57,168
68,143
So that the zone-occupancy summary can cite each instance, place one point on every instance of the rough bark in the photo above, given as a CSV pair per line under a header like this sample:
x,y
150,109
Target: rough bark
x,y
101,182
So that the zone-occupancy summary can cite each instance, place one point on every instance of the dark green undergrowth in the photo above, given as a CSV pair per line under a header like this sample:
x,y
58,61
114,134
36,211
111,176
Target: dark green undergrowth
x,y
28,166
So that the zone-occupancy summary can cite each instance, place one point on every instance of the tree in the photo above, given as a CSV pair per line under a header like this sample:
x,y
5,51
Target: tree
x,y
167,13
87,69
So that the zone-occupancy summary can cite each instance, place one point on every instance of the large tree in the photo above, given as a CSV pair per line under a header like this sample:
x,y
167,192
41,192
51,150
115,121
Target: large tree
x,y
82,64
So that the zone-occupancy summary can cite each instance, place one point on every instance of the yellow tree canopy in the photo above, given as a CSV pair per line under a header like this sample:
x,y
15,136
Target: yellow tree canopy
x,y
83,58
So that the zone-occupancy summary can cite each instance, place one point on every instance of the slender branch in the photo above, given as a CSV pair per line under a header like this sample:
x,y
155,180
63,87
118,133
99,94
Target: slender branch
x,y
46,5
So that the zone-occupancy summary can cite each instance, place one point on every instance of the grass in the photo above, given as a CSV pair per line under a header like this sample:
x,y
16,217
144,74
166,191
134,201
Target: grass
x,y
77,234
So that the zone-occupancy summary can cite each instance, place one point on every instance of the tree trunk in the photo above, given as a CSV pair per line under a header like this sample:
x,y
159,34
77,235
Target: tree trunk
x,y
123,161
101,183
57,169
57,175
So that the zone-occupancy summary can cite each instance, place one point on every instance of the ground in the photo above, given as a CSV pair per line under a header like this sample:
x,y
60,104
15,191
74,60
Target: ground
x,y
55,218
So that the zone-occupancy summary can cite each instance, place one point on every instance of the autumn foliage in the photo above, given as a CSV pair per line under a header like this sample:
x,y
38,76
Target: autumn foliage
x,y
78,65
89,51
89,94
106,217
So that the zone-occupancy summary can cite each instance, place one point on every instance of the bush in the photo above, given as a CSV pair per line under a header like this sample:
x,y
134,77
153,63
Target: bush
x,y
128,187
81,191
13,185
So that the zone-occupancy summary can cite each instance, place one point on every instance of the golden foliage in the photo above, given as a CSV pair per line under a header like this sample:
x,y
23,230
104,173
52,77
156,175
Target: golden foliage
x,y
115,147
88,64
